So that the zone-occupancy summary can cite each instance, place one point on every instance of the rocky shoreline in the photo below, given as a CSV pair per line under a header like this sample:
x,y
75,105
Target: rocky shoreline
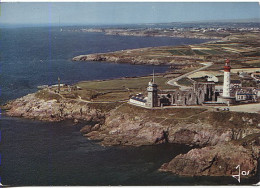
x,y
116,58
142,56
221,146
54,110
218,160
226,139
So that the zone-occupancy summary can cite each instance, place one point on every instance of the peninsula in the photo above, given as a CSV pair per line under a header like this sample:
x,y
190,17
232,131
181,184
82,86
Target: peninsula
x,y
223,138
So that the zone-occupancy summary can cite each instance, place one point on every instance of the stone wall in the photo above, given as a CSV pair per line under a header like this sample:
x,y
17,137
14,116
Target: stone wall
x,y
200,93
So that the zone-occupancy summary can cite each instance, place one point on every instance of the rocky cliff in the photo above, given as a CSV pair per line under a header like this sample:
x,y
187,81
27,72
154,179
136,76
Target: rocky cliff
x,y
144,56
226,139
116,58
218,160
56,109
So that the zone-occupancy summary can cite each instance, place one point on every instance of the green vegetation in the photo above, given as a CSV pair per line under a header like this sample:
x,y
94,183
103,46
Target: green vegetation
x,y
175,52
185,82
198,52
168,116
212,52
201,79
104,107
47,95
124,83
117,89
172,116
187,52
230,119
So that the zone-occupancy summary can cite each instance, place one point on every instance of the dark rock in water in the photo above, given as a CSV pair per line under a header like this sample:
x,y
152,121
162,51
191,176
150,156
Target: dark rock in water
x,y
86,129
89,128
95,127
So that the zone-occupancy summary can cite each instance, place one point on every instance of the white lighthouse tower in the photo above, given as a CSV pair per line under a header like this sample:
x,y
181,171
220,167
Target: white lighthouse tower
x,y
226,95
226,84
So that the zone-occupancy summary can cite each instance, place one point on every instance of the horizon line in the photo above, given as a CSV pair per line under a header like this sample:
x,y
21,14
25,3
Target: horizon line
x,y
244,20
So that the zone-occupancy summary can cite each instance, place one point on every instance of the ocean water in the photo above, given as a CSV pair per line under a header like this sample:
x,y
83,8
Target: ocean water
x,y
41,153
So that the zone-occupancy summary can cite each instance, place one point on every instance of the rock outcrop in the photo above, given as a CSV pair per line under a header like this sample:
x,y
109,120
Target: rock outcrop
x,y
32,107
143,56
218,160
144,128
116,58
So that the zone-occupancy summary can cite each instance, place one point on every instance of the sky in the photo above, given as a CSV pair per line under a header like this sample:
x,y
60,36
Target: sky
x,y
124,13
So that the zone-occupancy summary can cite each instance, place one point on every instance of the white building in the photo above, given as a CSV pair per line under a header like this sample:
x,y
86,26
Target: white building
x,y
212,78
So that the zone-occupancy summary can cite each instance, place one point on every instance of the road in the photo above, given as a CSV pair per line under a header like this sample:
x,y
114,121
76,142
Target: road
x,y
174,81
249,108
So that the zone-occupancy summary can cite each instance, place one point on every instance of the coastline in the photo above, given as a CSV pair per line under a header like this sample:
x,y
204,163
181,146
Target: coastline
x,y
122,124
127,125
149,33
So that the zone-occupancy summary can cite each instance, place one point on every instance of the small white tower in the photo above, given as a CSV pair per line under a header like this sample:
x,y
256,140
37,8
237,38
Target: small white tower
x,y
152,94
226,84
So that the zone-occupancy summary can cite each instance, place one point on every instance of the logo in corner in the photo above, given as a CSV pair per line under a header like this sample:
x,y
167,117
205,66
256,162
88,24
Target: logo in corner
x,y
243,173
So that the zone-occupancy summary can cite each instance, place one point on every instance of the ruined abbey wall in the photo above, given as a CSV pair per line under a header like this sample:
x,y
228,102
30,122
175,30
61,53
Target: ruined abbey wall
x,y
200,93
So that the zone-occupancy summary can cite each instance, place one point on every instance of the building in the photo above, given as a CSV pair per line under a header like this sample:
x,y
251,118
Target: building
x,y
212,78
219,89
201,93
138,100
243,74
246,94
152,97
235,84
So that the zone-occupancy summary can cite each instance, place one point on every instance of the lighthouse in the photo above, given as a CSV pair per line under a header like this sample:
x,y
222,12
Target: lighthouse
x,y
226,96
152,94
226,84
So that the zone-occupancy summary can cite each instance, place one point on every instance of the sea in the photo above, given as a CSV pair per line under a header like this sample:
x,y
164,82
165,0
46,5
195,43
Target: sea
x,y
35,153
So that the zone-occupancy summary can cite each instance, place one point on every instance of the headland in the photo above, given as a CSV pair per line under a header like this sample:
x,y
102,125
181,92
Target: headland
x,y
223,138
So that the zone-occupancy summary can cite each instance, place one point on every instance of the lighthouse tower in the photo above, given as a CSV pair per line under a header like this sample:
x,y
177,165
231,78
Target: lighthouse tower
x,y
226,84
152,94
226,95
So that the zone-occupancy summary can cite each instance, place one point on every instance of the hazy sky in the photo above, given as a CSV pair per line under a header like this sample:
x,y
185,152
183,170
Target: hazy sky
x,y
124,13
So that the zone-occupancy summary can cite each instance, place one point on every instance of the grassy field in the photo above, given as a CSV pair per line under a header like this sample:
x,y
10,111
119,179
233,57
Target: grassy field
x,y
45,95
118,89
191,115
124,83
169,116
185,82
